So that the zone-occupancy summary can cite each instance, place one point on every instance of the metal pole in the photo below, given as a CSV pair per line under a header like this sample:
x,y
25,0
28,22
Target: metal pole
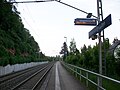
x,y
66,39
100,61
100,46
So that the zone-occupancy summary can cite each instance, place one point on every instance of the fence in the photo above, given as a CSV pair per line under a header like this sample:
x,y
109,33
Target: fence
x,y
17,67
91,78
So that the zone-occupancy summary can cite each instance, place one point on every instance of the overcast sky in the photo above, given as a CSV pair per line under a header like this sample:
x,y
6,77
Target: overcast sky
x,y
50,22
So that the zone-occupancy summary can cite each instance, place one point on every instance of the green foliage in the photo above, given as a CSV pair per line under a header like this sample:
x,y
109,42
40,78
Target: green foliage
x,y
16,43
64,50
72,46
117,53
88,58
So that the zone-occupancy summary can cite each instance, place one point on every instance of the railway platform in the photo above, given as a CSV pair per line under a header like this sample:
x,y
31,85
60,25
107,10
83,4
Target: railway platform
x,y
61,79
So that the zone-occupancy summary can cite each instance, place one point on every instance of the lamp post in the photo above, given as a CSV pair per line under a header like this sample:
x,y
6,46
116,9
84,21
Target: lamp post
x,y
100,18
66,39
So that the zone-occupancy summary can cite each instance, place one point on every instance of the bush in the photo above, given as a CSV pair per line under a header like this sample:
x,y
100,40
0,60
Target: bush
x,y
4,61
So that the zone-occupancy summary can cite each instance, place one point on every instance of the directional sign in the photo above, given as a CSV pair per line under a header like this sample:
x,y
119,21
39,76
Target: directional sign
x,y
101,26
85,21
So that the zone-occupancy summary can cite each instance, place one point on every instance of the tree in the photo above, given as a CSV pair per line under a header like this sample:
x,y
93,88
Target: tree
x,y
17,45
64,50
117,52
74,54
117,61
72,46
84,49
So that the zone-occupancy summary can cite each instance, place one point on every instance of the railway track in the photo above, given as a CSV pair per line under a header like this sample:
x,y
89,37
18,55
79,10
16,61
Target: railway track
x,y
27,79
18,73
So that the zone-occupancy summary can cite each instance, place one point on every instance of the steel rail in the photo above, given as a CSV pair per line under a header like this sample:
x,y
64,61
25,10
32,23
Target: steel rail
x,y
16,74
15,79
35,86
74,68
95,74
85,77
27,79
46,82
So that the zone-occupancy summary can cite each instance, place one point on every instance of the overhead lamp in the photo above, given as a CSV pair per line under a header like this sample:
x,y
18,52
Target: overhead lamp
x,y
89,15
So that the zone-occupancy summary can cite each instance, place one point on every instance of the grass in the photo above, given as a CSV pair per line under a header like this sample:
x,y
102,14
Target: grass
x,y
110,85
107,84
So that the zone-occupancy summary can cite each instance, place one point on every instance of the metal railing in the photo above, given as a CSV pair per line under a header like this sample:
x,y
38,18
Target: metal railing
x,y
83,73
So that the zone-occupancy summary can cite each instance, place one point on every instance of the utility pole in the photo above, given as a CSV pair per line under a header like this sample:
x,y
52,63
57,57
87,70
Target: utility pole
x,y
100,18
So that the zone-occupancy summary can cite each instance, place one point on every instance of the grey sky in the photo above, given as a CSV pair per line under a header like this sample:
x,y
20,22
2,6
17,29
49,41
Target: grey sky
x,y
50,22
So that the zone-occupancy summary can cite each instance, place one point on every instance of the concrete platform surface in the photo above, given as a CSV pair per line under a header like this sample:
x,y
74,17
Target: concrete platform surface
x,y
65,81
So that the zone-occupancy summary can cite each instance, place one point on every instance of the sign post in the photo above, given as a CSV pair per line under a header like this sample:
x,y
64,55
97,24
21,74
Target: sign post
x,y
100,27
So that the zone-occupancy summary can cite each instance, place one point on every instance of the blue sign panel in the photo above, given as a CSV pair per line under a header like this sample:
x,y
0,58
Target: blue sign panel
x,y
101,26
85,21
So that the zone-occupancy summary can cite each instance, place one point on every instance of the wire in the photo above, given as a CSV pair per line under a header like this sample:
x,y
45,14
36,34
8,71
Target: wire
x,y
56,1
75,8
31,1
29,25
29,13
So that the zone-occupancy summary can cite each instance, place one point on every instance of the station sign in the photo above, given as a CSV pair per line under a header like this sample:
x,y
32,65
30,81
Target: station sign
x,y
101,26
85,21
